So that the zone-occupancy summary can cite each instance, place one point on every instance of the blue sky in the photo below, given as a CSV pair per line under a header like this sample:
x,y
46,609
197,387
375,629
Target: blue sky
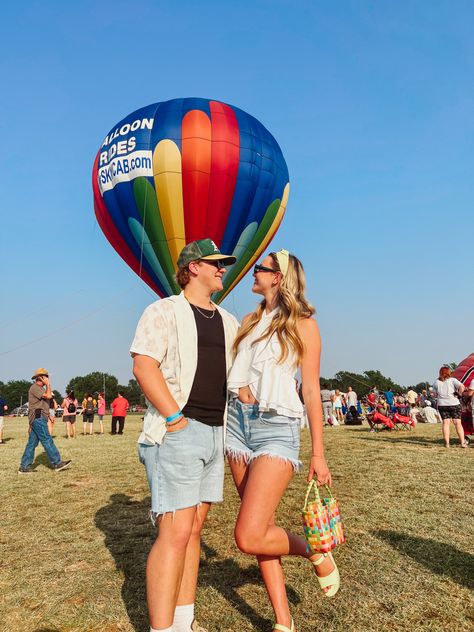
x,y
372,105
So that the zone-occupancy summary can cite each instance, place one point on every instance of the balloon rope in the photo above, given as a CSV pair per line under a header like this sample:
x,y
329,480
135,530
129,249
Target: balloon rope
x,y
113,298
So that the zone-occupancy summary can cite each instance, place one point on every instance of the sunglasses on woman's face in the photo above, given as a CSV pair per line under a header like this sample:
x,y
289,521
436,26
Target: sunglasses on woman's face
x,y
259,268
216,263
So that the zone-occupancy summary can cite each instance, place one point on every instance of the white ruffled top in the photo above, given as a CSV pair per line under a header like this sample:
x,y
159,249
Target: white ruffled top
x,y
257,366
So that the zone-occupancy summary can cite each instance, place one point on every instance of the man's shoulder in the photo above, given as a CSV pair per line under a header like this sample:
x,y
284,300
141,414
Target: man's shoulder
x,y
36,390
162,304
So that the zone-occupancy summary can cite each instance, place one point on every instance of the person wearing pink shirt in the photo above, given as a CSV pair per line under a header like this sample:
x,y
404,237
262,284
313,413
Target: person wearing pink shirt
x,y
119,410
101,411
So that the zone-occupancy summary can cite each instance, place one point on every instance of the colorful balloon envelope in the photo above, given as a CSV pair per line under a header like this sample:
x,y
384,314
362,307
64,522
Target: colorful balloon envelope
x,y
186,169
464,372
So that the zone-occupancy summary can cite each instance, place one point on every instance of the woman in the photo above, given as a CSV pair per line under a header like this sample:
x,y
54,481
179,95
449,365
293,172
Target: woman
x,y
337,405
69,407
263,423
101,411
52,415
88,407
449,406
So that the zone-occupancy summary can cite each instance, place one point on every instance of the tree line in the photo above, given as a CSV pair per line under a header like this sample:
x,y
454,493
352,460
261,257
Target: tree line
x,y
362,383
15,392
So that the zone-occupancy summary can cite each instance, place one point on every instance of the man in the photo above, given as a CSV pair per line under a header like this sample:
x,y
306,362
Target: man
x,y
39,396
352,417
423,398
351,398
326,400
3,411
182,354
412,396
119,410
429,414
371,400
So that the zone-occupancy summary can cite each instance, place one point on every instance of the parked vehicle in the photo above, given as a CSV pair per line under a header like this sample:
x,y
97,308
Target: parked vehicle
x,y
21,411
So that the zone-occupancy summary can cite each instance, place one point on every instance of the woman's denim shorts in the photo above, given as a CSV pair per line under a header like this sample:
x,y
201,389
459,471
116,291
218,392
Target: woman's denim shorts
x,y
186,469
251,434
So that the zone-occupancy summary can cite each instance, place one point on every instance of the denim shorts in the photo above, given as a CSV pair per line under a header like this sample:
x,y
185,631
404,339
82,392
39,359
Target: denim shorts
x,y
251,434
186,469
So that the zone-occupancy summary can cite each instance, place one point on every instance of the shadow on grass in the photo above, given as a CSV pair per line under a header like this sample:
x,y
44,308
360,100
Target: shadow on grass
x,y
226,576
438,557
42,459
129,536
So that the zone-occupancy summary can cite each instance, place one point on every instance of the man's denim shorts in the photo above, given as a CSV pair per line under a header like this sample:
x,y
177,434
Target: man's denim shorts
x,y
186,469
251,434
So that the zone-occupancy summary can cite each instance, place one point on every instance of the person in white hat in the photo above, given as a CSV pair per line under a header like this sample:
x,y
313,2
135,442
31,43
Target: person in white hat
x,y
39,397
429,414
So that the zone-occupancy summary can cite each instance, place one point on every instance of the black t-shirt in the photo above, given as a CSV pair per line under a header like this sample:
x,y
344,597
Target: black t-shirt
x,y
207,399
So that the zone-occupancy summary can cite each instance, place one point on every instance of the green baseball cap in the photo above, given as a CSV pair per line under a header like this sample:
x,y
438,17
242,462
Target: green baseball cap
x,y
203,249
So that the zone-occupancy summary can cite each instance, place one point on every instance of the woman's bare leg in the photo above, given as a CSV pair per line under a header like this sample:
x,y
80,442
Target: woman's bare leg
x,y
459,430
256,532
445,429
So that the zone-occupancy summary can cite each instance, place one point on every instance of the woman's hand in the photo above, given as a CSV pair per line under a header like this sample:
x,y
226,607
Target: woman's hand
x,y
319,468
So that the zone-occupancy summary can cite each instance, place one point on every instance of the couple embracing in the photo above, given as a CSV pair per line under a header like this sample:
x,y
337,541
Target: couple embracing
x,y
216,389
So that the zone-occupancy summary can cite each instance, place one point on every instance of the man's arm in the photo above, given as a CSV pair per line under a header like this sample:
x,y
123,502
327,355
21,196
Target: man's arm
x,y
148,374
48,393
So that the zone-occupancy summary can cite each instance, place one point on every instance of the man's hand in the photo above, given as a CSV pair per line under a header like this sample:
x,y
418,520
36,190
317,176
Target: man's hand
x,y
179,424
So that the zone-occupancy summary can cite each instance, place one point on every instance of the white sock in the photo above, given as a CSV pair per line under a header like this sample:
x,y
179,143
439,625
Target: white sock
x,y
183,618
161,629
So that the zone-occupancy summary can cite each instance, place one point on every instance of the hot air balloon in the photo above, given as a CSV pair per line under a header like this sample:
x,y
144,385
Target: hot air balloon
x,y
464,372
186,169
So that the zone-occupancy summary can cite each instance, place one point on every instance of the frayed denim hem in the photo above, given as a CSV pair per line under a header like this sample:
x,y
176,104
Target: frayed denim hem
x,y
296,464
241,456
155,515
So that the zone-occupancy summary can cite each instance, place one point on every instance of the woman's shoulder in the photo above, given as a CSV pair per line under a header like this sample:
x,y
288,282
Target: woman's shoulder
x,y
308,325
246,318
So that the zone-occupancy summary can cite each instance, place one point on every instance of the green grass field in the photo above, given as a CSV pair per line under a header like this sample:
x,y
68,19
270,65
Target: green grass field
x,y
74,543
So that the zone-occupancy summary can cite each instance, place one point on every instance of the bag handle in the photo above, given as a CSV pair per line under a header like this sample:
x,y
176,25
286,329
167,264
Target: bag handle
x,y
317,497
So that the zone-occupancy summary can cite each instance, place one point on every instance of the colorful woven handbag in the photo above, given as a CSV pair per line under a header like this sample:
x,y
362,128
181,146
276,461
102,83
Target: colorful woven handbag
x,y
322,523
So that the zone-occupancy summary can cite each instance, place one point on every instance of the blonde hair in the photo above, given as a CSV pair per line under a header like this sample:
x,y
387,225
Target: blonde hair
x,y
293,306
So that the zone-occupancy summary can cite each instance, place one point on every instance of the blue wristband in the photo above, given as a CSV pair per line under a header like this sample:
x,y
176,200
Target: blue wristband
x,y
173,417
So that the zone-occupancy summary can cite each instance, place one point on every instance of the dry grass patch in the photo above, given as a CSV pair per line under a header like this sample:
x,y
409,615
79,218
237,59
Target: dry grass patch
x,y
74,543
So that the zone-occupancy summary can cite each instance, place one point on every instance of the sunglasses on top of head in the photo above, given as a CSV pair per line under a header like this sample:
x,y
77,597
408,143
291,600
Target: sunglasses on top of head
x,y
260,268
216,263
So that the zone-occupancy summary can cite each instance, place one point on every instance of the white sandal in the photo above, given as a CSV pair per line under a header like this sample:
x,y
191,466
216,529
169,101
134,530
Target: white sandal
x,y
283,628
333,579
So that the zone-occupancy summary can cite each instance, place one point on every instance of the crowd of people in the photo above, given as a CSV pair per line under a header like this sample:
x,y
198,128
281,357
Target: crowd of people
x,y
446,401
218,388
42,415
